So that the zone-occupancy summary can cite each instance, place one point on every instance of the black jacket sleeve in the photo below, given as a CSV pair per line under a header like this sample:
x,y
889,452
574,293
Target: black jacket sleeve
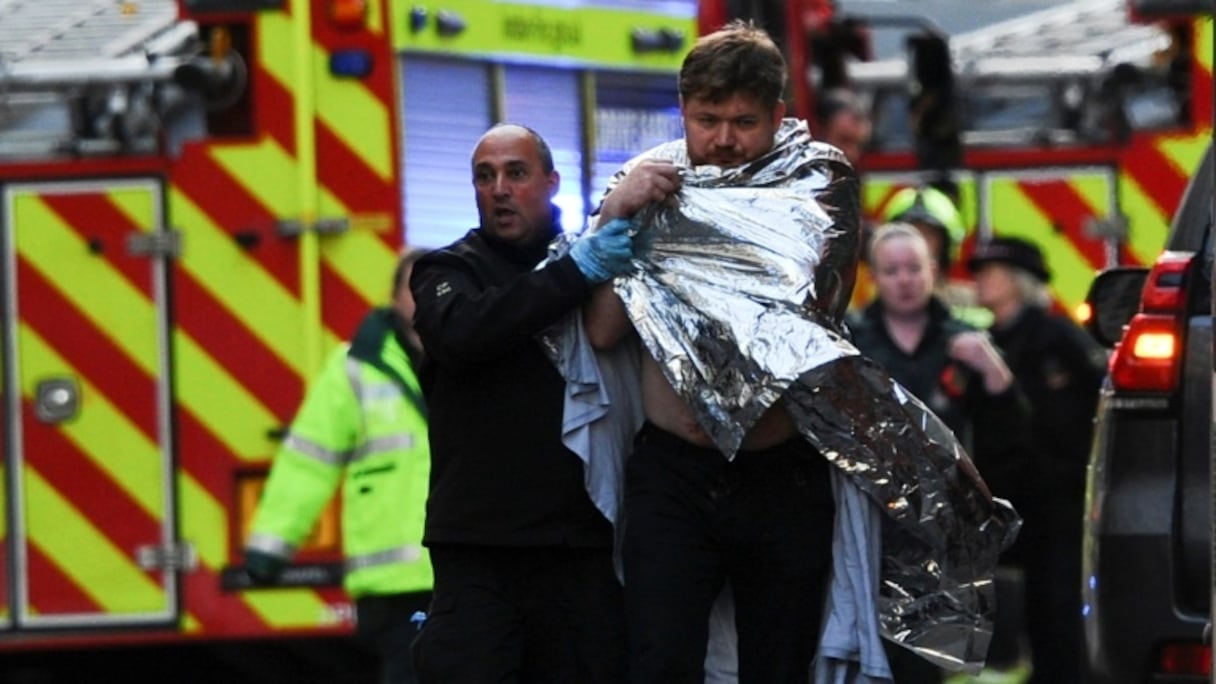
x,y
1081,353
1002,443
475,307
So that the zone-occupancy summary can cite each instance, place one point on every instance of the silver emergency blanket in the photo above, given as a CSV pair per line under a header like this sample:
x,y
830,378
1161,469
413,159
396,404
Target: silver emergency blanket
x,y
737,293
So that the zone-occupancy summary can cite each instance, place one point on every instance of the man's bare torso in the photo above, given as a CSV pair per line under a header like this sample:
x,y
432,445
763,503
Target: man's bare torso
x,y
667,410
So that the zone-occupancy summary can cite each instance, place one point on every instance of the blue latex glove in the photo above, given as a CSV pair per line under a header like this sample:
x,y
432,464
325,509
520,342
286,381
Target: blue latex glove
x,y
605,253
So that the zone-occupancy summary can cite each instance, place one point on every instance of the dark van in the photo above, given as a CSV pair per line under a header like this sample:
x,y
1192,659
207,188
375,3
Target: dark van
x,y
1147,570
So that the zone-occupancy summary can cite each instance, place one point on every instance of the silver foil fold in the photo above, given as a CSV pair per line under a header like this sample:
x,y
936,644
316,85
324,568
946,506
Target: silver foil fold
x,y
743,281
738,293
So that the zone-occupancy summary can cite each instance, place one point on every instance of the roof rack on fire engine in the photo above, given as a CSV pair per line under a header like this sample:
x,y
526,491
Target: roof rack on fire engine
x,y
1077,38
51,44
1081,71
104,77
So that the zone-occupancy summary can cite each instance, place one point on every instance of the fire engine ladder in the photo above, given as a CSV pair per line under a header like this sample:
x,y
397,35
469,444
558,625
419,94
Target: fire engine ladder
x,y
1077,38
53,43
64,63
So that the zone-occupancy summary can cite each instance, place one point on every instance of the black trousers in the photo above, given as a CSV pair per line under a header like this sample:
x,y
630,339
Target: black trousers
x,y
522,615
1048,550
1051,540
695,520
385,622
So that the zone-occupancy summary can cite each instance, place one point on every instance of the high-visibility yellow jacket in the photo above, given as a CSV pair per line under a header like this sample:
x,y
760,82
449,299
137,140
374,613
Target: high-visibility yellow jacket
x,y
362,425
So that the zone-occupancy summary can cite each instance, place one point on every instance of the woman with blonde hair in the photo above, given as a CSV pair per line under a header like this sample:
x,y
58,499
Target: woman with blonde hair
x,y
949,365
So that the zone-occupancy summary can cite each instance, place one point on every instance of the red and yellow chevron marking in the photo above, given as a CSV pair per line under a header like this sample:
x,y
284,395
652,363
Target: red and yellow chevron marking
x,y
1050,208
248,325
252,323
1155,168
877,190
358,169
92,488
1152,173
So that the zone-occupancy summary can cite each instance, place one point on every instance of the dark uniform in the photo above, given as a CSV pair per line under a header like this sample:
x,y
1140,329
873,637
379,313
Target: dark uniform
x,y
951,390
1060,369
524,582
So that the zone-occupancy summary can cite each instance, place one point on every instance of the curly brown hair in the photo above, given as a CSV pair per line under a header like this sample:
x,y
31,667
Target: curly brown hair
x,y
737,58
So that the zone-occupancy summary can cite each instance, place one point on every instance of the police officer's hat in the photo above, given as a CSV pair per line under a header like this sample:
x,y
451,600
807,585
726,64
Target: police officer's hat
x,y
1012,251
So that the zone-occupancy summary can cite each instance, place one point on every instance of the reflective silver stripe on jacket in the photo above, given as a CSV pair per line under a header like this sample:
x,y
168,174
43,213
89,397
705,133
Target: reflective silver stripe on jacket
x,y
366,392
369,391
401,554
354,373
381,444
268,543
314,450
380,391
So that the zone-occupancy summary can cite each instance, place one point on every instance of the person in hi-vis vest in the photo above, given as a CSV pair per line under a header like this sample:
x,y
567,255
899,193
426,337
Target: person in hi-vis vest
x,y
363,427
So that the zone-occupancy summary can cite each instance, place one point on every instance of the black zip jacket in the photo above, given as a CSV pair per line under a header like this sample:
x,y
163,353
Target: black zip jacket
x,y
500,475
1060,369
994,428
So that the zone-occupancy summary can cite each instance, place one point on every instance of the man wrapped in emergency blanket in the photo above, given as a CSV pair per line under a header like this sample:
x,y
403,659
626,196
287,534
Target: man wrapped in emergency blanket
x,y
738,293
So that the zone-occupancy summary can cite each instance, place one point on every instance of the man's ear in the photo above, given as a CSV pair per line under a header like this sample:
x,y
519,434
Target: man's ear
x,y
778,112
555,183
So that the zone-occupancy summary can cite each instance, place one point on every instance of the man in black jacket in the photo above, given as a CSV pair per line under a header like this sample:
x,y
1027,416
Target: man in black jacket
x,y
524,581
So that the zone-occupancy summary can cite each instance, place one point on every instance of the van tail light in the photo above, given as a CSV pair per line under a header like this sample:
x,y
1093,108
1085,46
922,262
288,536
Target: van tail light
x,y
1185,659
1147,359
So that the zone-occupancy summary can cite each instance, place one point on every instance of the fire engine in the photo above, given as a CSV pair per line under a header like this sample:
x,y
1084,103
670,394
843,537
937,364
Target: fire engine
x,y
1075,127
198,199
